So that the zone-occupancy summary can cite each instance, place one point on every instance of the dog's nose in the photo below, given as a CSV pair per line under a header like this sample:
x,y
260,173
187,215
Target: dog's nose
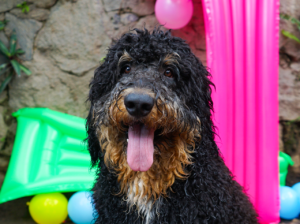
x,y
138,105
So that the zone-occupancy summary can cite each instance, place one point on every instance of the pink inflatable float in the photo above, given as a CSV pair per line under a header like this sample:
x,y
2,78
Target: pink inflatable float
x,y
242,54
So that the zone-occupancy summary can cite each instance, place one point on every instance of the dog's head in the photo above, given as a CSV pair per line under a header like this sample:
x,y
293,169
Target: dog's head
x,y
150,102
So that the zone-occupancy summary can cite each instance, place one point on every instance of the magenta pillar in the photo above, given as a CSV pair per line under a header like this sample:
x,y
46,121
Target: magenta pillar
x,y
242,55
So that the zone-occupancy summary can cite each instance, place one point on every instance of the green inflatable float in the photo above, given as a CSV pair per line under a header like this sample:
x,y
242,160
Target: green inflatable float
x,y
49,155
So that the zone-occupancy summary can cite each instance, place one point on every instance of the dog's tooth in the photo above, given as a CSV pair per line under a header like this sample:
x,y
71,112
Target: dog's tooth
x,y
127,139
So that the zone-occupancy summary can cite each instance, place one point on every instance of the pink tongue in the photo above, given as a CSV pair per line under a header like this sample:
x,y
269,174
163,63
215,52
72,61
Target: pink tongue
x,y
140,147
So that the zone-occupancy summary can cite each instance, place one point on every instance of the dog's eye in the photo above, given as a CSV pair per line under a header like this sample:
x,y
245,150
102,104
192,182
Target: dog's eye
x,y
127,69
168,73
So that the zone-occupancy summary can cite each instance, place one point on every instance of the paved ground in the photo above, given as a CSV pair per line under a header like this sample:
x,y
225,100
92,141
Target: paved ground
x,y
295,221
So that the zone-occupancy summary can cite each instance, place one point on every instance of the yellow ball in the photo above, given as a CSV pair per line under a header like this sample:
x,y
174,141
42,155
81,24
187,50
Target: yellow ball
x,y
49,208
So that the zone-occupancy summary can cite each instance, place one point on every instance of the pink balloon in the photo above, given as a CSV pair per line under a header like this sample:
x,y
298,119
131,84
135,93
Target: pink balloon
x,y
174,14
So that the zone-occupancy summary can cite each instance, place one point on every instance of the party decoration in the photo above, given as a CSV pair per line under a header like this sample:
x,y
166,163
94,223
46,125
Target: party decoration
x,y
284,161
174,14
289,203
49,208
242,53
81,208
296,187
49,155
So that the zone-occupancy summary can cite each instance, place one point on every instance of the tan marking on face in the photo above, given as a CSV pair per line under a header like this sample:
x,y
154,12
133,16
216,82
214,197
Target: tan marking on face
x,y
171,58
125,57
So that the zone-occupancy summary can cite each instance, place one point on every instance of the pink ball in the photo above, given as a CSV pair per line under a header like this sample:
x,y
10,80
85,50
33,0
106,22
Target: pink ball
x,y
174,14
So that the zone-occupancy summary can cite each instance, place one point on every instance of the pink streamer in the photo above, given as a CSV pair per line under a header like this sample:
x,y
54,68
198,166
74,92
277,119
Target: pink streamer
x,y
242,54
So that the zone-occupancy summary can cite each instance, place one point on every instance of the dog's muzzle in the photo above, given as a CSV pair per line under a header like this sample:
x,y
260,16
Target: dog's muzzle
x,y
140,146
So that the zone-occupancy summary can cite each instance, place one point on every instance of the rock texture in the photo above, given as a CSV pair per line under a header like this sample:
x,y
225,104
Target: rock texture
x,y
5,41
34,13
289,92
138,7
291,47
3,129
6,5
76,44
289,89
43,3
289,80
66,53
50,87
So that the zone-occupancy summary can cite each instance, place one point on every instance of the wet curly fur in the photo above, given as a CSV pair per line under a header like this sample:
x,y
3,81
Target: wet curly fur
x,y
188,181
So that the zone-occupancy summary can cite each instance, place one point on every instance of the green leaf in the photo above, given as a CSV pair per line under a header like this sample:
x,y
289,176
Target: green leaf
x,y
13,43
292,19
26,8
16,66
295,21
5,82
19,51
3,66
102,59
2,24
4,50
289,35
284,16
25,70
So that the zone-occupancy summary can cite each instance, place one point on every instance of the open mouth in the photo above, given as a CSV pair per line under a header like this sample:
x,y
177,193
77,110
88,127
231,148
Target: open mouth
x,y
140,147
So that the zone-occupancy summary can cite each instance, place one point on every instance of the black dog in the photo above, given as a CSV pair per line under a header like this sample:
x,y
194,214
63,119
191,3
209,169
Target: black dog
x,y
151,135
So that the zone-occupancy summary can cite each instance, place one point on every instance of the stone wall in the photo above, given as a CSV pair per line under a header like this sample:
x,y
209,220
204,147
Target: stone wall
x,y
64,41
289,89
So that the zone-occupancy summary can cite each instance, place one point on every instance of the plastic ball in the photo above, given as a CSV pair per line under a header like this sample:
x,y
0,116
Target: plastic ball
x,y
49,208
289,203
81,208
296,187
174,14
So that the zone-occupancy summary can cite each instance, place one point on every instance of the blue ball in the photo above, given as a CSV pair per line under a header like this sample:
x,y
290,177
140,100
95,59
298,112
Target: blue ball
x,y
80,208
296,187
289,203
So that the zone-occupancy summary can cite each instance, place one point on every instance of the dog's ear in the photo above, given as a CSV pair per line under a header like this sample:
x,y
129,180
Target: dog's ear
x,y
104,80
92,140
196,87
195,84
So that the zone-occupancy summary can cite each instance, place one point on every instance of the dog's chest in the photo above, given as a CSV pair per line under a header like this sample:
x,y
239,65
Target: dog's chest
x,y
146,209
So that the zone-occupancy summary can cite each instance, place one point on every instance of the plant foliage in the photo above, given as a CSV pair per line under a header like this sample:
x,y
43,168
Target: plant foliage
x,y
2,24
24,7
293,21
12,66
